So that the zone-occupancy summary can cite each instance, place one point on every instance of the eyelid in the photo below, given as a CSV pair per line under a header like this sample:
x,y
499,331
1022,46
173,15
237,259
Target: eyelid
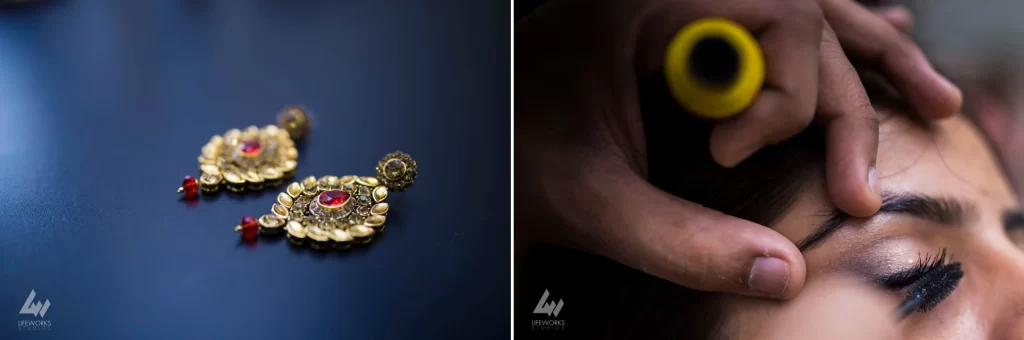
x,y
902,279
877,257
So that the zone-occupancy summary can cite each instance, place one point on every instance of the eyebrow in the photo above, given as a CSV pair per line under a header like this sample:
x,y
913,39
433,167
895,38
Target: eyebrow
x,y
940,210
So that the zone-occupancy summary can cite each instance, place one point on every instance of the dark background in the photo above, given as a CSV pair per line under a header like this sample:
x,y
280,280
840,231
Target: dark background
x,y
104,106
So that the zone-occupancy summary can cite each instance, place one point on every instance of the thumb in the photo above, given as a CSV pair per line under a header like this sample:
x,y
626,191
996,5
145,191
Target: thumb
x,y
693,246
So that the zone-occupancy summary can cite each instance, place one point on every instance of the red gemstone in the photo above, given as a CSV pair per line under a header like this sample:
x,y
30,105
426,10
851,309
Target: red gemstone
x,y
249,227
333,198
190,187
250,148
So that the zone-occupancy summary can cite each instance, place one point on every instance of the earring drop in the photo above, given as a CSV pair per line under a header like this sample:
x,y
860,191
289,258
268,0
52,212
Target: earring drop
x,y
250,158
334,212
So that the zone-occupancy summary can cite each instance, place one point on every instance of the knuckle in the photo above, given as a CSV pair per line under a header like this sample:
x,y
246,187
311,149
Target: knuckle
x,y
697,258
699,272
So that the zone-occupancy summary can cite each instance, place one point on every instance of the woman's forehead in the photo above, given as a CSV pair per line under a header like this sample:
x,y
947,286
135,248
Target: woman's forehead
x,y
947,158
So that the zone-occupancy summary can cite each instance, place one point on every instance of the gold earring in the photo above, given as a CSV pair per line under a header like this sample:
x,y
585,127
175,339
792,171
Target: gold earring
x,y
334,212
250,158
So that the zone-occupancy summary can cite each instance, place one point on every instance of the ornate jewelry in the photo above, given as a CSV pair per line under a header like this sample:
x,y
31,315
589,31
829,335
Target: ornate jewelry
x,y
334,212
250,158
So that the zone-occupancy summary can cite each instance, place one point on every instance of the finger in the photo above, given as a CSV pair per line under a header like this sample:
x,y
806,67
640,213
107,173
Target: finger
x,y
865,35
859,312
896,15
693,246
771,119
786,104
851,132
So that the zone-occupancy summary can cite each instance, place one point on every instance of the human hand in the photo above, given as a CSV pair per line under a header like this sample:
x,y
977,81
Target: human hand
x,y
580,147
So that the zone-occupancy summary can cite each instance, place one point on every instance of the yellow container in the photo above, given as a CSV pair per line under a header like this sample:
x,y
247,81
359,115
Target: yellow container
x,y
714,68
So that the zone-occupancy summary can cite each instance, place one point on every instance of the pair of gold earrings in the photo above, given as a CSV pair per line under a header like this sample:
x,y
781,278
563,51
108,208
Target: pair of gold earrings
x,y
325,212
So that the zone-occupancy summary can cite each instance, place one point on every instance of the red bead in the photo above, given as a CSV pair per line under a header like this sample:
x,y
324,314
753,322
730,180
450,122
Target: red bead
x,y
333,198
249,227
190,186
250,148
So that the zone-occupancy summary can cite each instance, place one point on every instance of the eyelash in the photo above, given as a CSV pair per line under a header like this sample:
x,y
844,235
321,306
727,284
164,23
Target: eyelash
x,y
927,284
903,279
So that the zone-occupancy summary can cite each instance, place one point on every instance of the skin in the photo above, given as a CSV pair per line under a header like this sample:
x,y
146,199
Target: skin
x,y
950,160
580,153
860,312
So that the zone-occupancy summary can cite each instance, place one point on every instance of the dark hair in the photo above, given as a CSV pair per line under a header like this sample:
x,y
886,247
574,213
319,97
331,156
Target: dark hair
x,y
605,299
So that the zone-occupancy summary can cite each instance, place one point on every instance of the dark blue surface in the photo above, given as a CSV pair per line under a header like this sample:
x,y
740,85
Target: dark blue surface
x,y
104,106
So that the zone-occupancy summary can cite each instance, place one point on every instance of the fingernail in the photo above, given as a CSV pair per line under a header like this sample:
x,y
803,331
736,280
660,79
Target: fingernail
x,y
873,182
769,275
